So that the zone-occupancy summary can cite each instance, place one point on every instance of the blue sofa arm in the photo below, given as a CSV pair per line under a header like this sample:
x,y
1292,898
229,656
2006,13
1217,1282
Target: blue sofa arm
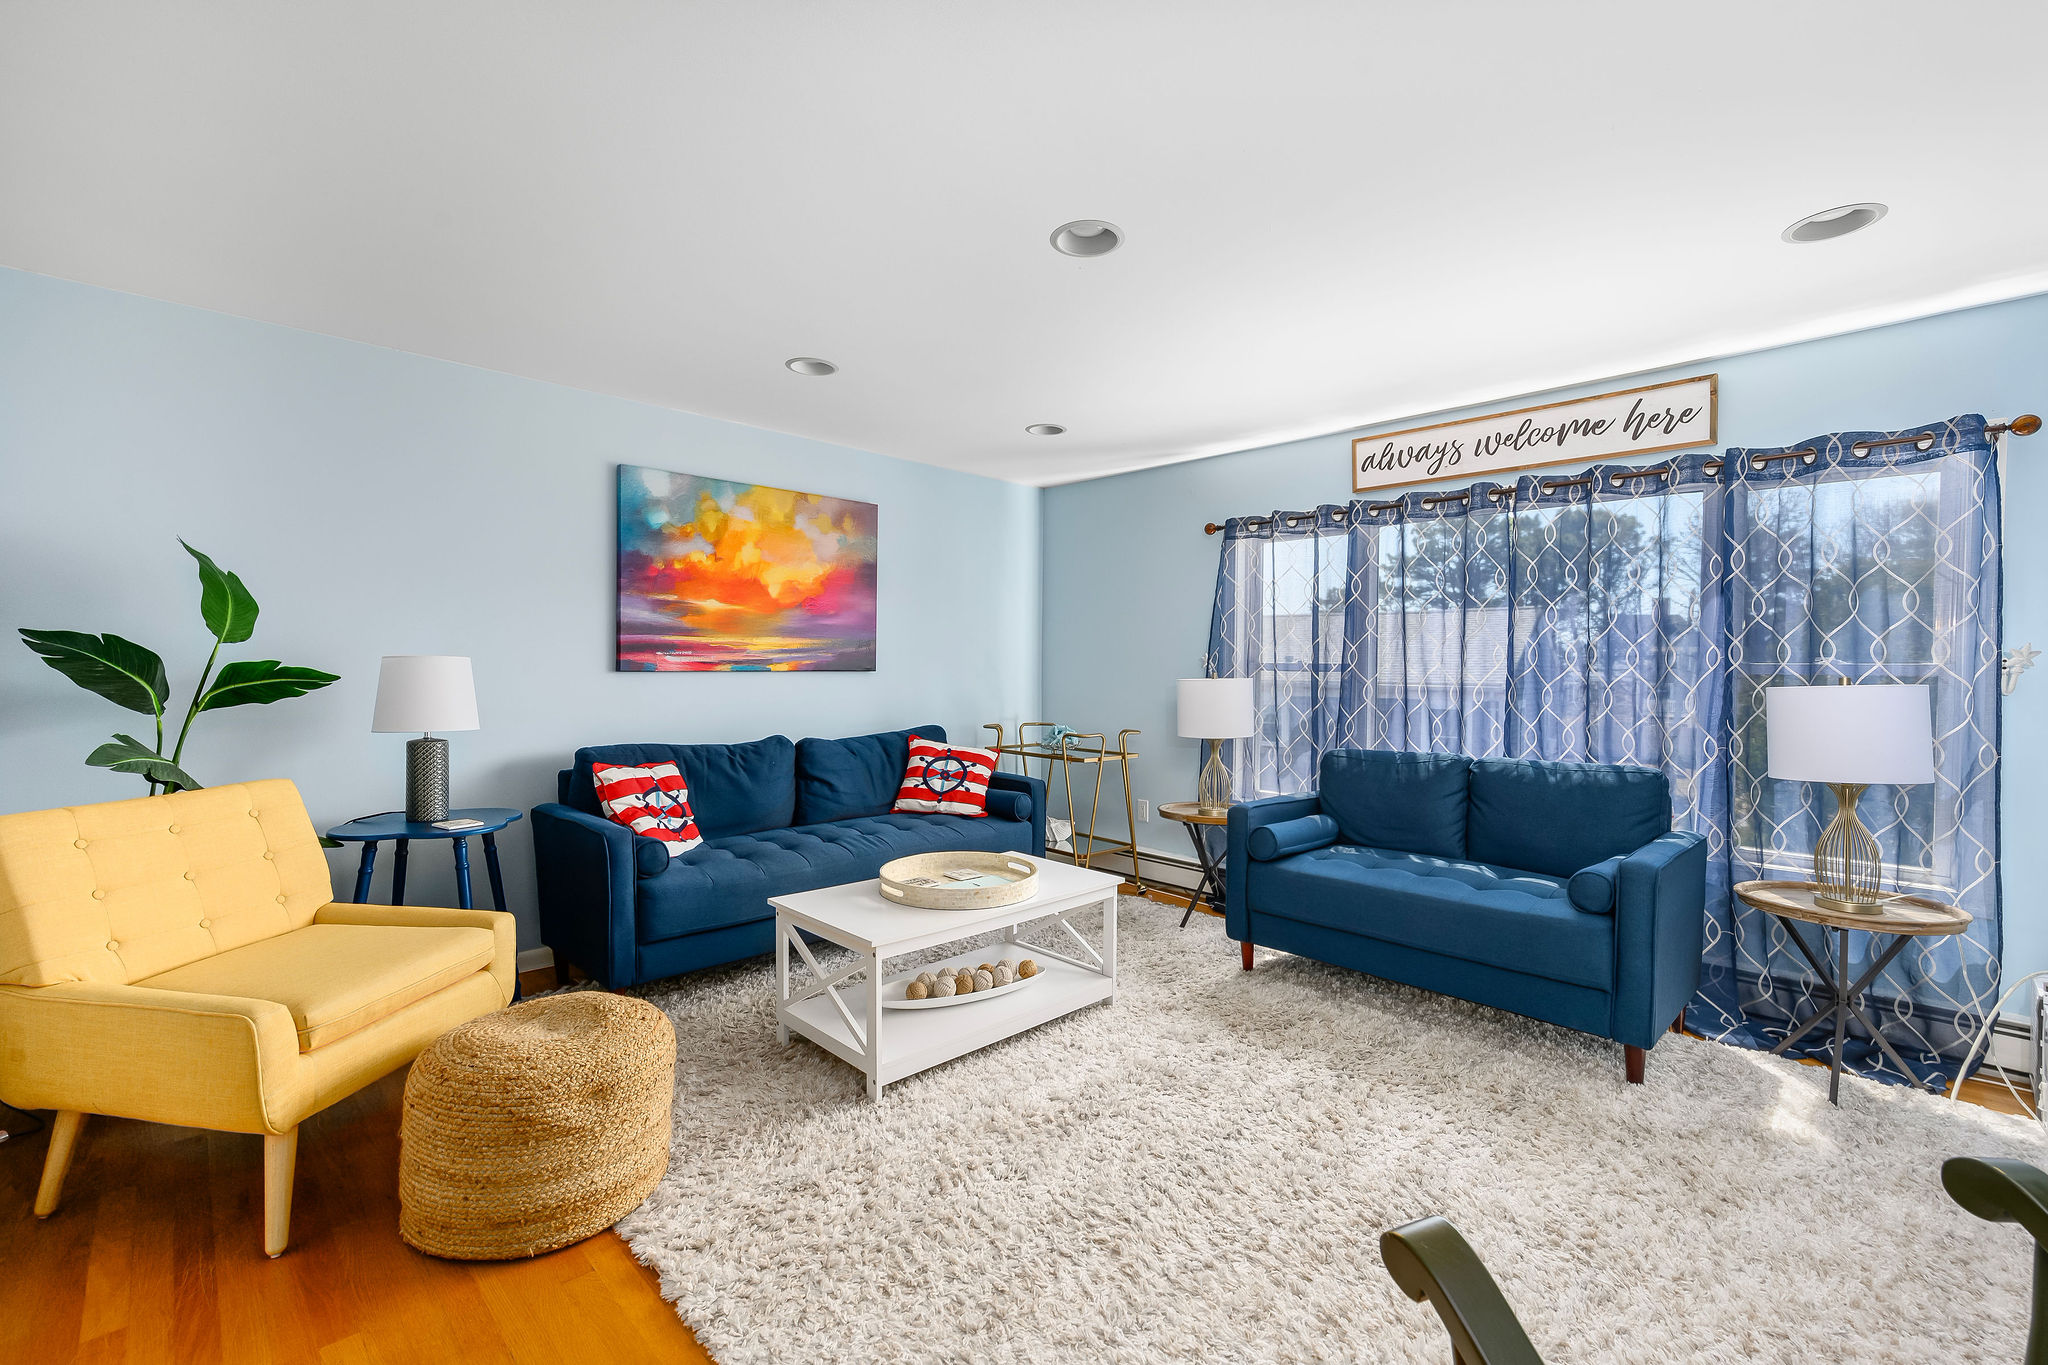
x,y
1244,818
586,869
1033,788
1659,925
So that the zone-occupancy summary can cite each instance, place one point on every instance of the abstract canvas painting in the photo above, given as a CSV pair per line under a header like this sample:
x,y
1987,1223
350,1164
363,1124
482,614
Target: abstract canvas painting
x,y
716,576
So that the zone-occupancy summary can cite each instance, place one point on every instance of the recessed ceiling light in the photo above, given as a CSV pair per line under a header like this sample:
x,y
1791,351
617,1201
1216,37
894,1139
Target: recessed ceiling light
x,y
810,364
1831,223
1087,237
1045,429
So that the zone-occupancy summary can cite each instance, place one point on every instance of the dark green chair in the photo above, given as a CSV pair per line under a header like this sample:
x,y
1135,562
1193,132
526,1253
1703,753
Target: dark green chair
x,y
1429,1260
2000,1191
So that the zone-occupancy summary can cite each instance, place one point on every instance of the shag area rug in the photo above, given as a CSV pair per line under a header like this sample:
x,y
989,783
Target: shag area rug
x,y
1201,1171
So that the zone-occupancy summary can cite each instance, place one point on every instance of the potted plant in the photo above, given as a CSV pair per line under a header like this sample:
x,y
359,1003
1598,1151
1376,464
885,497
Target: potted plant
x,y
132,676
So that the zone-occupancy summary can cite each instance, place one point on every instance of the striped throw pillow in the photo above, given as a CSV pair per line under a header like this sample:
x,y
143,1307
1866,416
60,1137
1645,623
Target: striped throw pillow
x,y
948,779
653,801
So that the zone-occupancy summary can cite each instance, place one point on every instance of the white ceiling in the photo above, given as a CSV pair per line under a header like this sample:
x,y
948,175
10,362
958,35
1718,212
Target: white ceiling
x,y
1336,214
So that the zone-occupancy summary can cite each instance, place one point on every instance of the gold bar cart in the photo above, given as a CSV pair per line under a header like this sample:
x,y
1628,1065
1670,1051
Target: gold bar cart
x,y
1071,749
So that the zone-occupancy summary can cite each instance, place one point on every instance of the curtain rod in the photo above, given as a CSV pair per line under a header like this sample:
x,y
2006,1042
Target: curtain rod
x,y
2025,424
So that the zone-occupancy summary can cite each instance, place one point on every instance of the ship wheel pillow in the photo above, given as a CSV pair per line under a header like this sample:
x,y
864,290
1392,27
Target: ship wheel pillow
x,y
945,779
651,800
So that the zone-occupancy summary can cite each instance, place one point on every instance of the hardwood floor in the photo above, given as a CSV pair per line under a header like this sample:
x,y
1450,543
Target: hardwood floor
x,y
156,1256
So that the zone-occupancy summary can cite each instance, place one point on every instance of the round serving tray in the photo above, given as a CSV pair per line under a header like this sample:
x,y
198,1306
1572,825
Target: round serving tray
x,y
894,999
896,876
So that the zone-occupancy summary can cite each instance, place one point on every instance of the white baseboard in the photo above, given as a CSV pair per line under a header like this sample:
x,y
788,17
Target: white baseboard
x,y
533,959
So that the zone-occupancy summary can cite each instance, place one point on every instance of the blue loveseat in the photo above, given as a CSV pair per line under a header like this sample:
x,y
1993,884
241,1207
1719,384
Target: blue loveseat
x,y
776,818
1556,890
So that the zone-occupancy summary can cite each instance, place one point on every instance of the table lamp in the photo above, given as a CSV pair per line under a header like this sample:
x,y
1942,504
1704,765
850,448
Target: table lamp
x,y
1850,737
425,693
1215,709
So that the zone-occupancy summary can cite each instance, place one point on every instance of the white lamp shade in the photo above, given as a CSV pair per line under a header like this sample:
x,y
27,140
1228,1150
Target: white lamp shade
x,y
1215,708
1870,733
421,693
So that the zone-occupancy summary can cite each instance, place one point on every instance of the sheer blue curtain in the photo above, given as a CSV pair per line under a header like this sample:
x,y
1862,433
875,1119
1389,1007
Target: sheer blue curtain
x,y
1871,556
1619,616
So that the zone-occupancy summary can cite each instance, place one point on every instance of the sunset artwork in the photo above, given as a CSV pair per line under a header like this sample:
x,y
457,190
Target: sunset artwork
x,y
716,576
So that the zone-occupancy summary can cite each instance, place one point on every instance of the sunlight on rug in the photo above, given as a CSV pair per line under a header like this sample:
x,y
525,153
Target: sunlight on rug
x,y
1201,1170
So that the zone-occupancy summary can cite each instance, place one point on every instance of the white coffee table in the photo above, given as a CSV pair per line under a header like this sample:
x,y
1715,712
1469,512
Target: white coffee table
x,y
846,1018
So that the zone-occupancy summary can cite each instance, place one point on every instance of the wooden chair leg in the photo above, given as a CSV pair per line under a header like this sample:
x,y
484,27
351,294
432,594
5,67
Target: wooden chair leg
x,y
63,1141
280,1162
1633,1058
1246,946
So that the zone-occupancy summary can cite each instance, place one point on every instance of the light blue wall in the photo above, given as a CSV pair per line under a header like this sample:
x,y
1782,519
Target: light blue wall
x,y
381,503
1129,574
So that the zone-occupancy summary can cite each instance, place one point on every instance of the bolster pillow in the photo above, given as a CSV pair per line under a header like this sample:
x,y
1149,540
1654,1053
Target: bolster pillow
x,y
1592,888
650,856
1285,838
1009,805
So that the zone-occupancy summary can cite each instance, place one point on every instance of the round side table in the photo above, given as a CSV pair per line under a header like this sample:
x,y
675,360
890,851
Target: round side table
x,y
1210,888
1905,918
373,829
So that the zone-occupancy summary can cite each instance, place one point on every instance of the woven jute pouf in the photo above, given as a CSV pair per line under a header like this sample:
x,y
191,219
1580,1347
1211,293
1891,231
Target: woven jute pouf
x,y
536,1126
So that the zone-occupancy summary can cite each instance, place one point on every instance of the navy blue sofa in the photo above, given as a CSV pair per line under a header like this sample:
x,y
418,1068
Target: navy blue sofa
x,y
776,818
1555,890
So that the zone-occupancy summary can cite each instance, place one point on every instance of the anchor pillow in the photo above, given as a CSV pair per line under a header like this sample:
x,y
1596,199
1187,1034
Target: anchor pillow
x,y
946,779
652,801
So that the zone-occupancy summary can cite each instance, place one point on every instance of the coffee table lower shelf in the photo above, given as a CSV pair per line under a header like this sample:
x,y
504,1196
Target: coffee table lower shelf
x,y
840,1009
917,1040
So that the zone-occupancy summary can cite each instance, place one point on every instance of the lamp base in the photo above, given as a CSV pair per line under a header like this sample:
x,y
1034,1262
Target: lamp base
x,y
426,780
1848,905
1848,866
1212,794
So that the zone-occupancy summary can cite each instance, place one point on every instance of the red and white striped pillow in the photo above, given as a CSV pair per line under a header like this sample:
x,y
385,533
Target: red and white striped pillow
x,y
652,800
948,779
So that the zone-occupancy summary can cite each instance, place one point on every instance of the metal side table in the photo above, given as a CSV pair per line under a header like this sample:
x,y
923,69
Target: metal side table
x,y
1905,918
1210,888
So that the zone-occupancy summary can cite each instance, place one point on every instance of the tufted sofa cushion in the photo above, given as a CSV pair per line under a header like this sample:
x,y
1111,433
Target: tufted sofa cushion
x,y
1499,916
734,788
118,892
1560,817
727,881
844,779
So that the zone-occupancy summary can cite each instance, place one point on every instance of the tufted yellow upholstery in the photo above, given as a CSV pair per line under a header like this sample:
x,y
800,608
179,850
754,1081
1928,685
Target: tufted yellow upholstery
x,y
179,959
123,891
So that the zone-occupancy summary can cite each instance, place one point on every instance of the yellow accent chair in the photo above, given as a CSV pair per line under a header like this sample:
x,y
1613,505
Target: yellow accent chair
x,y
181,959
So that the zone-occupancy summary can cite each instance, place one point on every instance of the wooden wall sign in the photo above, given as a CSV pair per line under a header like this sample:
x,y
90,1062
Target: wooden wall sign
x,y
1669,416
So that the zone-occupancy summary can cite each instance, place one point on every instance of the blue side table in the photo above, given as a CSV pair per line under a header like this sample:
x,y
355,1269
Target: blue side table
x,y
373,829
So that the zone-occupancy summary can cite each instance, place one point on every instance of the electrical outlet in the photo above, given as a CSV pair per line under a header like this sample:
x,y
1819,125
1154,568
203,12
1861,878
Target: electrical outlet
x,y
1144,810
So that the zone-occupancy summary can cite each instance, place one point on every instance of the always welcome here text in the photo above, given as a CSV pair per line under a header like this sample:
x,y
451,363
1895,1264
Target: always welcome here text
x,y
1643,421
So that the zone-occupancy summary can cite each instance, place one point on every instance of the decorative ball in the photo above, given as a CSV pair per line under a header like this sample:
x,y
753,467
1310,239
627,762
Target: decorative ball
x,y
1003,975
986,967
916,990
942,987
984,981
1008,962
1028,967
964,983
926,979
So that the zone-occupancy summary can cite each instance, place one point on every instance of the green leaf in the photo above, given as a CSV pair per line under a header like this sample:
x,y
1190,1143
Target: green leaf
x,y
252,682
128,754
226,606
120,670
